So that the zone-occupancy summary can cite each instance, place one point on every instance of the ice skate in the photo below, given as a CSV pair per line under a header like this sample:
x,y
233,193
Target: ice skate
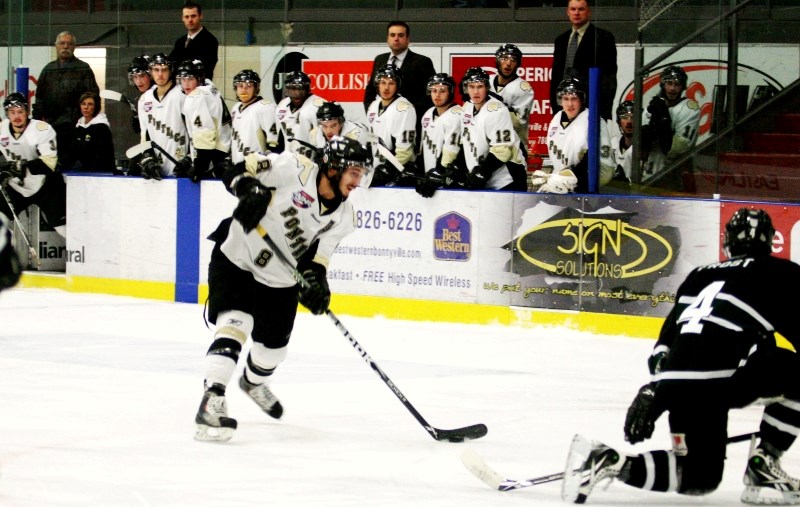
x,y
588,464
767,484
261,394
213,423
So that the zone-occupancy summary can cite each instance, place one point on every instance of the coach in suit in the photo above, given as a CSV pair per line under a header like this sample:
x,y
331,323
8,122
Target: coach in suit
x,y
415,69
198,43
591,47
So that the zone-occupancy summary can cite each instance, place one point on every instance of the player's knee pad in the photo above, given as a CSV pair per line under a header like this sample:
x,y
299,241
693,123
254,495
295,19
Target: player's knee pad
x,y
234,325
263,360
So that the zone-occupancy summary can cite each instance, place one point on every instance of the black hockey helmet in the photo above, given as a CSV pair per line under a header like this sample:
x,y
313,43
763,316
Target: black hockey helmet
x,y
341,152
624,109
508,50
247,76
298,80
161,60
572,85
748,232
330,111
15,100
674,73
442,79
139,65
474,75
192,68
389,71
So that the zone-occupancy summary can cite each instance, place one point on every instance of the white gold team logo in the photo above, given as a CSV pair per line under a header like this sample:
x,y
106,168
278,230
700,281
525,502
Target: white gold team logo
x,y
301,199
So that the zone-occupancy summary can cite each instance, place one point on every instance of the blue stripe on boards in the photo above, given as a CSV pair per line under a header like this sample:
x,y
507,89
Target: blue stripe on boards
x,y
187,241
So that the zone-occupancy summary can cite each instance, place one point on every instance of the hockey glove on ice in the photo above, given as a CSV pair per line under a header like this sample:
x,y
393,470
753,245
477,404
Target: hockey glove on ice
x,y
317,296
642,415
253,202
150,168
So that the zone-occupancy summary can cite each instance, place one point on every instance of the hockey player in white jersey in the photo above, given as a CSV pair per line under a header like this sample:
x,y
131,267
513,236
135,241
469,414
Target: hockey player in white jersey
x,y
29,172
441,135
161,120
303,207
252,118
392,120
296,114
517,94
617,155
10,268
671,123
207,122
139,77
492,150
331,123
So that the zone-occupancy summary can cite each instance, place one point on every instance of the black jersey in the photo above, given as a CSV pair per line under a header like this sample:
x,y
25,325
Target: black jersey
x,y
727,311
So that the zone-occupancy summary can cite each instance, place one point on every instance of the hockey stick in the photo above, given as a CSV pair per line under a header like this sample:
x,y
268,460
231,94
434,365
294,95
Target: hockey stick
x,y
135,151
118,97
455,435
480,469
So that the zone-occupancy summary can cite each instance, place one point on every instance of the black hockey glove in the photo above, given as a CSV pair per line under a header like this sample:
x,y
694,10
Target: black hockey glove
x,y
150,168
431,182
253,202
642,415
9,170
183,168
476,180
386,175
658,109
317,296
201,167
661,123
409,177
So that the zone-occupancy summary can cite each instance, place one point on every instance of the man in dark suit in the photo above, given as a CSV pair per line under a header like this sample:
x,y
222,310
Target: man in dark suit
x,y
595,48
198,43
416,69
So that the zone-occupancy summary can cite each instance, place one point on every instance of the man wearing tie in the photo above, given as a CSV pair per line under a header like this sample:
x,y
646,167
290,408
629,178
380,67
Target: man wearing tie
x,y
416,69
198,43
578,49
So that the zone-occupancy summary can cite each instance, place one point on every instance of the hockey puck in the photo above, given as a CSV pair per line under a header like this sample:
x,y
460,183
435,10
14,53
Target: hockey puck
x,y
456,438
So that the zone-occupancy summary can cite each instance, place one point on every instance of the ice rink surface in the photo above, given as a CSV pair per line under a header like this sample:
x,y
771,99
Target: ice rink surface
x,y
99,395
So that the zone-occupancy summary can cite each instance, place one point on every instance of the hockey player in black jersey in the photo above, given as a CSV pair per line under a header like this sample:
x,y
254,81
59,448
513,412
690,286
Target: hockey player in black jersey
x,y
728,342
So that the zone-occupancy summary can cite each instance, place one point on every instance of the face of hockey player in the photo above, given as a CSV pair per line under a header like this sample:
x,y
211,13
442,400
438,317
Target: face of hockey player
x,y
672,91
160,74
142,81
296,95
330,128
477,92
440,95
508,67
65,45
351,179
189,83
387,88
626,125
18,116
397,38
571,104
192,19
87,108
246,92
578,12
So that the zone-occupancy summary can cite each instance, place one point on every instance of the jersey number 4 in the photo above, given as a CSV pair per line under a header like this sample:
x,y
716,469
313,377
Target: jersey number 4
x,y
700,309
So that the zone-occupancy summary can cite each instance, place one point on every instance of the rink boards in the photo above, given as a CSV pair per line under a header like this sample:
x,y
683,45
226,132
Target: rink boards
x,y
605,263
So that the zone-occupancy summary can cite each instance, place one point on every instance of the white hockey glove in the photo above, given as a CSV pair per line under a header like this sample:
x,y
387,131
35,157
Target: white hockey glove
x,y
562,182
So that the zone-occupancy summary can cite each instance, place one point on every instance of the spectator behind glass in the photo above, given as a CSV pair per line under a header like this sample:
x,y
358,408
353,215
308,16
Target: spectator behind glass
x,y
92,148
59,88
198,43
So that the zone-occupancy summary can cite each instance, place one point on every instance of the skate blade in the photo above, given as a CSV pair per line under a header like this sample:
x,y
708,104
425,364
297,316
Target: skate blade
x,y
573,476
755,495
207,433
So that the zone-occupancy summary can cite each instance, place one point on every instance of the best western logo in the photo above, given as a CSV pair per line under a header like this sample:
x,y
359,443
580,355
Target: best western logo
x,y
452,238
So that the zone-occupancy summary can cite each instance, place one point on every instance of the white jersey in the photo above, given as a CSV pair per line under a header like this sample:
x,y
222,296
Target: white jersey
x,y
441,136
351,130
206,120
38,140
299,123
685,116
396,126
294,221
621,155
518,97
162,123
253,128
567,144
490,130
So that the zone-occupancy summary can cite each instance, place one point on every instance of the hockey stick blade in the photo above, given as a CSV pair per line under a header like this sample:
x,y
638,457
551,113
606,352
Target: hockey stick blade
x,y
480,469
454,435
112,95
135,151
